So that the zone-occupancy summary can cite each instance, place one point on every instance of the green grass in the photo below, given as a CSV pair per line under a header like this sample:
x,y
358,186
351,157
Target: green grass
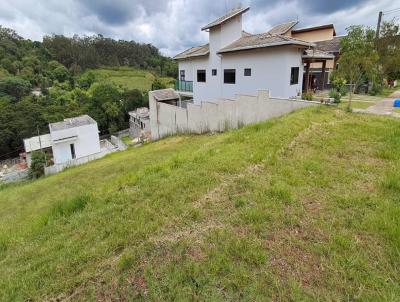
x,y
301,208
130,78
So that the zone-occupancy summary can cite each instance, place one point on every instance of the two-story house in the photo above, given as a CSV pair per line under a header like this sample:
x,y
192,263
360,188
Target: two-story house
x,y
235,61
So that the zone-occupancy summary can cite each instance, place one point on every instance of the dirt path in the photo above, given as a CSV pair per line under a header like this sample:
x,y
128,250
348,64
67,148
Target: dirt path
x,y
384,106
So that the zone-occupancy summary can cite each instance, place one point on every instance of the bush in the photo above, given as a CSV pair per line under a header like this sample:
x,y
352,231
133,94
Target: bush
x,y
336,95
307,96
37,165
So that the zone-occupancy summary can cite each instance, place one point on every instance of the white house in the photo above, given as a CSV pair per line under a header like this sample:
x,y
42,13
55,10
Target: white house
x,y
74,138
236,62
71,142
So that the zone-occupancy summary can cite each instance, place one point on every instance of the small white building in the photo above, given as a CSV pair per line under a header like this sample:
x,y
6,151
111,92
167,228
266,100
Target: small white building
x,y
71,142
139,122
236,62
74,138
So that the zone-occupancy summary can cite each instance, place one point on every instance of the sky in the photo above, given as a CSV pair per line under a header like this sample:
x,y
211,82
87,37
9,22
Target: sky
x,y
174,25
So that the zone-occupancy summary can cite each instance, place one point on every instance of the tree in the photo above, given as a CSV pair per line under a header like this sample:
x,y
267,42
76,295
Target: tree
x,y
157,84
388,47
15,87
358,59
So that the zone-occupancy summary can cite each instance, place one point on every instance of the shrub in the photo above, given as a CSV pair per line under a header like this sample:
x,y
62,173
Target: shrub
x,y
335,94
307,96
38,163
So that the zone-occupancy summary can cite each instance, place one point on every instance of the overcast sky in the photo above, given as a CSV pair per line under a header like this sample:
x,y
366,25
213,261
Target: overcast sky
x,y
174,25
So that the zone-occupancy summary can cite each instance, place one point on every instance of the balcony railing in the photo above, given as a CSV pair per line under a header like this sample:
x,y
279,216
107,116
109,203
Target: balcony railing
x,y
184,86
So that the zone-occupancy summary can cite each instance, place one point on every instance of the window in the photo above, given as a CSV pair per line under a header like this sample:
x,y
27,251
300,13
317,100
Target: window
x,y
214,72
201,75
72,147
182,75
247,72
229,76
294,76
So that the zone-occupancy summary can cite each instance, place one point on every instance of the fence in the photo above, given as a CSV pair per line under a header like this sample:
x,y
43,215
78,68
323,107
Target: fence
x,y
56,168
225,114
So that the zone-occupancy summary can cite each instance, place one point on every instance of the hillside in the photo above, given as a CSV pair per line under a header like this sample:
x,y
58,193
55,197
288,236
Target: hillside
x,y
130,78
304,207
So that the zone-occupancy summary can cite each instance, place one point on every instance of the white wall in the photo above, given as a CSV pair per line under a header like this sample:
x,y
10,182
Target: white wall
x,y
86,143
270,69
218,116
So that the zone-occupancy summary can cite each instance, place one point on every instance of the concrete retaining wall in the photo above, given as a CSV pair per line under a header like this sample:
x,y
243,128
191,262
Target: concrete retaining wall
x,y
218,116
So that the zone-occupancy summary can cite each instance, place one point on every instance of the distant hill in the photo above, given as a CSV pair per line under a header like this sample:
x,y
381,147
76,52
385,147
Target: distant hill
x,y
300,208
94,75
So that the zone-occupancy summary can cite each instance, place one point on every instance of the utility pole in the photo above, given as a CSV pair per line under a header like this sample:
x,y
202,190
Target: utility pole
x,y
378,27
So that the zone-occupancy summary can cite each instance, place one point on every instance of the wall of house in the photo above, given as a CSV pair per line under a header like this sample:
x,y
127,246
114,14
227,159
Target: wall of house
x,y
270,69
86,142
218,116
314,35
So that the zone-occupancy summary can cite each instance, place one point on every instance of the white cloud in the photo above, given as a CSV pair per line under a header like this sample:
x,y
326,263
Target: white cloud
x,y
174,25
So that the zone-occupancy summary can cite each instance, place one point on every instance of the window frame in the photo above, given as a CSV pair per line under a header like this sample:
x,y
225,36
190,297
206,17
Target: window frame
x,y
249,72
201,72
231,71
294,76
182,75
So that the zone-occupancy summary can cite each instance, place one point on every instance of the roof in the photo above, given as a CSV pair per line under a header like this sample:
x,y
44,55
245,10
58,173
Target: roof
x,y
72,123
230,15
316,54
197,51
36,142
262,41
165,94
332,46
142,112
282,28
307,29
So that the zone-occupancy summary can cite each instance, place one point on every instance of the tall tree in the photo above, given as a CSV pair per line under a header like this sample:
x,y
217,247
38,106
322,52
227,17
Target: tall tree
x,y
359,59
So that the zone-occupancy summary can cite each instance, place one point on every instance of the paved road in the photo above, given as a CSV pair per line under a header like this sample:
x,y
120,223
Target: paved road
x,y
383,107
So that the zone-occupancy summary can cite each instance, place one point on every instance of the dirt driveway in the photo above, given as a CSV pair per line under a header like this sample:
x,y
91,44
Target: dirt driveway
x,y
383,107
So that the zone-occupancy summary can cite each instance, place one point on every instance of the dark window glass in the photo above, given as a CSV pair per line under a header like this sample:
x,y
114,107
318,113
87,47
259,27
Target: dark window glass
x,y
214,72
229,76
294,75
72,147
201,75
247,72
182,75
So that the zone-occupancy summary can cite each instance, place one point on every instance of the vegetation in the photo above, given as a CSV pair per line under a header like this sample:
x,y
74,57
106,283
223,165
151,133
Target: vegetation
x,y
304,207
58,70
38,163
358,58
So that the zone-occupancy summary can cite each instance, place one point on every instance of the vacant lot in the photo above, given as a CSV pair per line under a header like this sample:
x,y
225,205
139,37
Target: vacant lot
x,y
130,77
305,207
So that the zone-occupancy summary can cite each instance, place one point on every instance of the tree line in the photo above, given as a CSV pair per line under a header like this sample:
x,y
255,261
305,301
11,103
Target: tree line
x,y
56,68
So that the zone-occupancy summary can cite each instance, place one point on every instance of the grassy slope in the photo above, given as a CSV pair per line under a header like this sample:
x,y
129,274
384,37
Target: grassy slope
x,y
130,77
302,207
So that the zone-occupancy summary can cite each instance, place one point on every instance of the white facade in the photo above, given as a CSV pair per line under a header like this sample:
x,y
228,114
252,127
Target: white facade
x,y
270,67
75,142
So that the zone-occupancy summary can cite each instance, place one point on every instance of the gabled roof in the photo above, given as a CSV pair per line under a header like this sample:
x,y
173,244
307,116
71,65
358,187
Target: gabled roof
x,y
307,29
331,46
231,14
72,123
282,28
262,41
197,51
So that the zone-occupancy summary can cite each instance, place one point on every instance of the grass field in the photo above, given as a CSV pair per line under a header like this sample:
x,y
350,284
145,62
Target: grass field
x,y
300,208
130,77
